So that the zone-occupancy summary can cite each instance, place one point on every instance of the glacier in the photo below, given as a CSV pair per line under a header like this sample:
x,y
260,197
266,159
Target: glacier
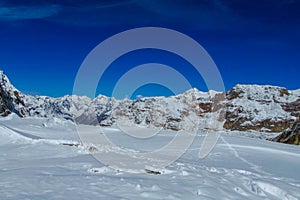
x,y
44,159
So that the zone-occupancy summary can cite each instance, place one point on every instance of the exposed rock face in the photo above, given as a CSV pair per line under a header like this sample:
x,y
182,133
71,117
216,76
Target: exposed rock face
x,y
11,100
244,107
292,107
290,136
267,108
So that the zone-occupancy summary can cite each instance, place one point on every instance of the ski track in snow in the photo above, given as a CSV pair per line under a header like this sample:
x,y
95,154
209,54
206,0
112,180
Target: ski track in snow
x,y
236,154
35,165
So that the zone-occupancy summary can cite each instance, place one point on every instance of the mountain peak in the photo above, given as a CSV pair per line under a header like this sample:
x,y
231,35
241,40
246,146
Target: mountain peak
x,y
5,83
11,100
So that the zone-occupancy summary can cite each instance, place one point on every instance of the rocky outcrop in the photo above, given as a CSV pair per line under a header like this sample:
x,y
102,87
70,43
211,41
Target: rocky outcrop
x,y
11,100
292,107
261,108
290,136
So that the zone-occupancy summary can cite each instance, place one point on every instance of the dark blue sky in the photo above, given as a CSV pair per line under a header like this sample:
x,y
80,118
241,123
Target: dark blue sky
x,y
43,42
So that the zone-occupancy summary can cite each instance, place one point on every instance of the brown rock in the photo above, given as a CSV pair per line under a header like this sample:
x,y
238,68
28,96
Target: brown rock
x,y
290,136
293,107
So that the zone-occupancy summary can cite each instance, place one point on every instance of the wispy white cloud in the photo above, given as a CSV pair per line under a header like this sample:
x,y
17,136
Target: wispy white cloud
x,y
212,15
28,12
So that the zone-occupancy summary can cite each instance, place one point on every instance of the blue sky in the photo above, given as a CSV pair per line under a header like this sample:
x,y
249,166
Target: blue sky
x,y
43,42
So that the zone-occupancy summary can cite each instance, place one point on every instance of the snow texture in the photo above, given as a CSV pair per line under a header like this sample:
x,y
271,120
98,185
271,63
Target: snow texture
x,y
44,159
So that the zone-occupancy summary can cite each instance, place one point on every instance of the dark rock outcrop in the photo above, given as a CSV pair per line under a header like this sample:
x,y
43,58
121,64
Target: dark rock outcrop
x,y
290,136
10,98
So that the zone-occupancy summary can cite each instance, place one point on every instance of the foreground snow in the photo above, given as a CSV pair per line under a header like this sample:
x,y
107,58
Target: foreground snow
x,y
42,159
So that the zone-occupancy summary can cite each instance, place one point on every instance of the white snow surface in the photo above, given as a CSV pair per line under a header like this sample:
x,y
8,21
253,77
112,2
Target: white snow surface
x,y
38,161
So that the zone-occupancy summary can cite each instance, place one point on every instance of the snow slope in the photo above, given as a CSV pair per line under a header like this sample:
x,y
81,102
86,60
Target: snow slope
x,y
43,159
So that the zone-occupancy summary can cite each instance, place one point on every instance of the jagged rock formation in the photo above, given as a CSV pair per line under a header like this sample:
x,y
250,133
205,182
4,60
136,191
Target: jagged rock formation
x,y
244,107
11,100
290,136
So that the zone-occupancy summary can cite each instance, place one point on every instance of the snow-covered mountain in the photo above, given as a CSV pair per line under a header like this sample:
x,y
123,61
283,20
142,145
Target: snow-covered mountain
x,y
264,108
244,107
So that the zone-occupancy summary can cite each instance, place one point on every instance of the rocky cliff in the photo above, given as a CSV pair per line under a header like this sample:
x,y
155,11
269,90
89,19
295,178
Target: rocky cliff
x,y
290,136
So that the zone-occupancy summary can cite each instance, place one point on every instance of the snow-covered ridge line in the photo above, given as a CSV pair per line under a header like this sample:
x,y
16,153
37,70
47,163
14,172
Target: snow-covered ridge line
x,y
244,107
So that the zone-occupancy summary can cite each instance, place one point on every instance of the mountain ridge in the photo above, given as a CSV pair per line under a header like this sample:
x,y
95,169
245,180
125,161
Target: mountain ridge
x,y
245,107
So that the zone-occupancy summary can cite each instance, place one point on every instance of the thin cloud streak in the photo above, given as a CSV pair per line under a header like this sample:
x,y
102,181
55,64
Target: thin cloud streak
x,y
28,12
215,15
